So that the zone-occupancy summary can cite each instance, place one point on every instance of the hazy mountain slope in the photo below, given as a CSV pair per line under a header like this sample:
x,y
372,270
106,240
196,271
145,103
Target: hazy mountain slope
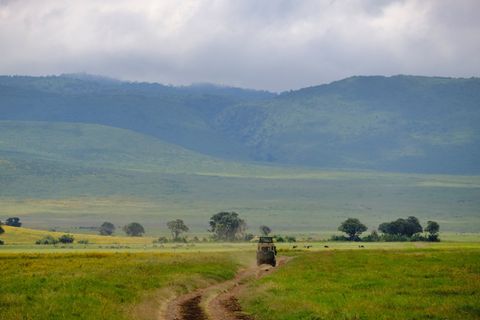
x,y
97,146
179,115
402,123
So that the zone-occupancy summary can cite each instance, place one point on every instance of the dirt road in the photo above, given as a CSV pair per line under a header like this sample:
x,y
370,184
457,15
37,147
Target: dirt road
x,y
219,301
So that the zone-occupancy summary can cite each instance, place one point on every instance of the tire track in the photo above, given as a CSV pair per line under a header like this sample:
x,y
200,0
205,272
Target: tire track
x,y
191,309
219,301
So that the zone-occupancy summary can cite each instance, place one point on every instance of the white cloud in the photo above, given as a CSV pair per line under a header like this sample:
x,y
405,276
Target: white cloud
x,y
264,44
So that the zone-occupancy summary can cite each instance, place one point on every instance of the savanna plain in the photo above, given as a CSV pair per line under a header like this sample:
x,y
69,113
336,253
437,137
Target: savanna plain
x,y
135,279
76,152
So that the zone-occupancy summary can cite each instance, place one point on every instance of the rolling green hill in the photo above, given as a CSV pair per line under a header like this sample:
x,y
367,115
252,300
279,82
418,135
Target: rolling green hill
x,y
400,123
179,115
97,146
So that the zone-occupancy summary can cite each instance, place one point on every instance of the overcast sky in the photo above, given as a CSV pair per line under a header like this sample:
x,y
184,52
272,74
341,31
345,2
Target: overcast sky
x,y
275,45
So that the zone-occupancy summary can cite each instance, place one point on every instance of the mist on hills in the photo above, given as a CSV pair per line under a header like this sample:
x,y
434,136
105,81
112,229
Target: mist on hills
x,y
400,123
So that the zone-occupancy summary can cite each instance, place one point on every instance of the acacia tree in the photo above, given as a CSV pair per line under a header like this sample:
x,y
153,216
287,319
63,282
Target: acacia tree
x,y
107,229
177,227
353,228
134,229
432,228
402,227
413,226
265,230
227,226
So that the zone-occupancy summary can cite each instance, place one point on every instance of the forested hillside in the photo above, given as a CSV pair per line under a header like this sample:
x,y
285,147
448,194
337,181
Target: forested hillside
x,y
401,123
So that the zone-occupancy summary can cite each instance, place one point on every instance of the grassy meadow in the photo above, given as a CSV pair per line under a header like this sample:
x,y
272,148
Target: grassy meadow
x,y
25,236
343,281
295,204
51,186
415,283
102,285
115,277
72,177
23,240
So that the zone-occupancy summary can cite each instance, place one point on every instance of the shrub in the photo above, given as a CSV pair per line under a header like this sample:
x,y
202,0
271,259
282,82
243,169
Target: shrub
x,y
83,241
181,239
248,237
279,238
161,240
394,238
66,238
338,238
417,237
290,239
2,242
48,239
372,237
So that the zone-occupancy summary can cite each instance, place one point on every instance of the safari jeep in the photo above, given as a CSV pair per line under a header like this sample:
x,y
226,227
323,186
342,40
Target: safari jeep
x,y
266,251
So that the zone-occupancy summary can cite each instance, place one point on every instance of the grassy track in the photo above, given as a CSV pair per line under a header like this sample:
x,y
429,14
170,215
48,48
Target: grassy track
x,y
101,285
372,284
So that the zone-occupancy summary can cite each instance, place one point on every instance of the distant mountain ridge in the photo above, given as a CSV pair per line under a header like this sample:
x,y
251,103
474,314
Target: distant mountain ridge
x,y
399,123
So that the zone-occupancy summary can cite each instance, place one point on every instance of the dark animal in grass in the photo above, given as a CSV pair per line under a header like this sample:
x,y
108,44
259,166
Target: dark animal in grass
x,y
361,246
326,246
294,247
307,246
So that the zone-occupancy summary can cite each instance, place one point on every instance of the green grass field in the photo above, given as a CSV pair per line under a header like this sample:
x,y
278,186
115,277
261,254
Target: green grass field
x,y
71,176
421,283
71,181
102,285
381,281
302,205
131,277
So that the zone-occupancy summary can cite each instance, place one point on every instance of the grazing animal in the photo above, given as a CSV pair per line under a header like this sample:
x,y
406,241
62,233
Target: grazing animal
x,y
326,246
294,247
307,246
361,246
